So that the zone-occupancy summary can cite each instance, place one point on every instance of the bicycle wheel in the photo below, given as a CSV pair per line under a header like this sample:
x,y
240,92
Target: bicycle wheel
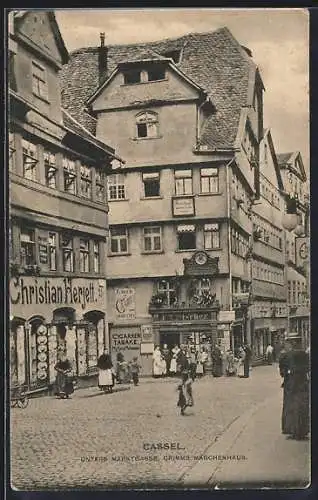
x,y
23,402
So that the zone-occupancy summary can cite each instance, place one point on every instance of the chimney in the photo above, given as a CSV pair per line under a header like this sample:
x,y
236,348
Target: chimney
x,y
102,59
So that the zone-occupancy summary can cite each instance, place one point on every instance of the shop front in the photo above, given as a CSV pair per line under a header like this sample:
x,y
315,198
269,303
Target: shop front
x,y
267,331
51,316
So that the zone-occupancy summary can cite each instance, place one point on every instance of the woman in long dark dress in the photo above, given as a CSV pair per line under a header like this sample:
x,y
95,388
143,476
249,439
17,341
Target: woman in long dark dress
x,y
105,375
63,382
294,368
217,362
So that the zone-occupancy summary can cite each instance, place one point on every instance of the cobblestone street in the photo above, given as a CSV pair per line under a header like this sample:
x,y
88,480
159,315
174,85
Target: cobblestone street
x,y
53,441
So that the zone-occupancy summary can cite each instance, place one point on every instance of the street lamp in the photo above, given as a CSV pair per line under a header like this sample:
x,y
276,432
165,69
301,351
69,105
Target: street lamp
x,y
290,217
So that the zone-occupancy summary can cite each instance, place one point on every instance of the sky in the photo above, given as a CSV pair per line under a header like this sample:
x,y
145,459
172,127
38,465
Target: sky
x,y
278,39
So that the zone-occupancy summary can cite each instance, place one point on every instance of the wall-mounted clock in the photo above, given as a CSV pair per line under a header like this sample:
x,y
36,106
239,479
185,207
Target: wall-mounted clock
x,y
200,258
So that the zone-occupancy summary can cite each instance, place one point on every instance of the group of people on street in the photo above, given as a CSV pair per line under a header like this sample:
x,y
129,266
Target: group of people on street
x,y
294,367
235,365
125,371
166,361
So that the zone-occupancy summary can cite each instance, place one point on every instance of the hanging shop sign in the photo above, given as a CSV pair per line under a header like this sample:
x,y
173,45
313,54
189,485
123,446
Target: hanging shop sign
x,y
28,290
302,251
226,316
146,333
125,304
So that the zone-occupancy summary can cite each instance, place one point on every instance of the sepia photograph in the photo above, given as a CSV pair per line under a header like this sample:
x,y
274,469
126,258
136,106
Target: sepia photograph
x,y
158,249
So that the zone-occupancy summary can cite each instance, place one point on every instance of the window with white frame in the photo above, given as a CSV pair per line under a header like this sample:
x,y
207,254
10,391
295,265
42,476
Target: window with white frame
x,y
209,180
147,124
211,236
39,81
27,247
100,185
183,181
52,251
119,240
67,253
151,181
69,170
96,256
86,181
30,159
84,255
152,239
167,289
50,169
116,187
186,237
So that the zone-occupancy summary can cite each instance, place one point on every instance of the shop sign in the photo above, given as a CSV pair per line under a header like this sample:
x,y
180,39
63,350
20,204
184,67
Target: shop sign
x,y
147,348
125,339
125,304
146,333
226,316
57,291
183,206
302,251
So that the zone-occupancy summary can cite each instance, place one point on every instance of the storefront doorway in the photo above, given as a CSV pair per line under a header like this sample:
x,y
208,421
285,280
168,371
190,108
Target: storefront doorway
x,y
170,338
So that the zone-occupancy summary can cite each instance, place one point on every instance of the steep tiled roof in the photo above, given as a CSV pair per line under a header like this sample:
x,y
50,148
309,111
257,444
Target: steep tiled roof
x,y
283,158
215,61
71,124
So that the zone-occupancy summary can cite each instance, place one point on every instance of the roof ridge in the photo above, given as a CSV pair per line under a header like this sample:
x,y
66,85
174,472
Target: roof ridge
x,y
184,37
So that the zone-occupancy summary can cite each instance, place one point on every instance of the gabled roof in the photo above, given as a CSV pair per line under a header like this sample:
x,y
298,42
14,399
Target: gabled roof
x,y
283,158
18,17
76,128
268,136
214,61
288,160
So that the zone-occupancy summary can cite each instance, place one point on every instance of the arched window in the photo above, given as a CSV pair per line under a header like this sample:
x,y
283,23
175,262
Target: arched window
x,y
147,124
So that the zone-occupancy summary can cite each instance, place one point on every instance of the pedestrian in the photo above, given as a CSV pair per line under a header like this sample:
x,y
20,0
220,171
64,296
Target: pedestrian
x,y
230,363
63,382
185,389
166,354
105,374
199,364
204,358
182,360
247,360
135,368
192,362
241,360
269,354
294,368
122,371
216,354
173,364
157,368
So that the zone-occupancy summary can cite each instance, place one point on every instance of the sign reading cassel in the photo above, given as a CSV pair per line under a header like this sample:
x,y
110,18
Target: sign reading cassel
x,y
66,291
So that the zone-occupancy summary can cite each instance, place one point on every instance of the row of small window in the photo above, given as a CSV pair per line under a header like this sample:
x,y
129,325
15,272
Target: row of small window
x,y
75,181
269,192
152,74
267,233
295,184
48,250
266,272
265,309
239,243
240,286
183,181
297,292
152,238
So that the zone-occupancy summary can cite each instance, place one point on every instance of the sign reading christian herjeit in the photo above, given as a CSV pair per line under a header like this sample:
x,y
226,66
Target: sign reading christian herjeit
x,y
28,290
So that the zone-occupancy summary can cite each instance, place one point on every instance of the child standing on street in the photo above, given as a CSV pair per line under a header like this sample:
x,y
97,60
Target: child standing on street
x,y
134,370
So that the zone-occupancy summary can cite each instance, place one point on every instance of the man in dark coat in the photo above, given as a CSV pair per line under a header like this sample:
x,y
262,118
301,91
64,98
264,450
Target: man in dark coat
x,y
216,355
247,360
294,368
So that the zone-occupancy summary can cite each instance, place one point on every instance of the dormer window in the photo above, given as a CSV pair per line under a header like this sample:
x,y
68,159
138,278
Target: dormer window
x,y
155,74
147,124
132,76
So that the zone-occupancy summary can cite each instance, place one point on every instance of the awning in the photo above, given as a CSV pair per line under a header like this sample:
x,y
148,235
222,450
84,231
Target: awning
x,y
186,228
